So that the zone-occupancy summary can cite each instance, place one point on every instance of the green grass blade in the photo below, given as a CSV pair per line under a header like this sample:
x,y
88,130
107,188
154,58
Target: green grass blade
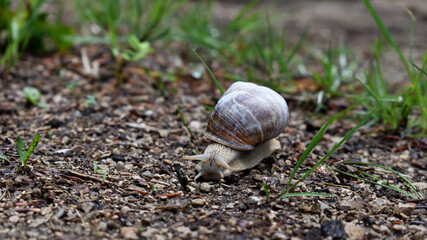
x,y
210,72
370,181
343,140
265,188
210,108
296,47
304,194
3,156
395,188
236,23
184,122
310,147
334,148
418,68
33,146
387,169
315,141
21,149
95,167
388,36
411,35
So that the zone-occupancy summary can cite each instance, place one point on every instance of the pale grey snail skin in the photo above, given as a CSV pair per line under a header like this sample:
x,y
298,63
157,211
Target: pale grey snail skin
x,y
244,124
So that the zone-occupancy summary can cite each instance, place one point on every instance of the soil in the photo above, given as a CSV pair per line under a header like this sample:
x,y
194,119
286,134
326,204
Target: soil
x,y
135,135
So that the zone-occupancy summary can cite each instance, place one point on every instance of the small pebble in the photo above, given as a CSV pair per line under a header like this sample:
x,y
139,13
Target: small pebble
x,y
384,229
129,232
205,187
65,140
14,219
125,210
399,227
255,200
405,208
280,236
146,174
198,201
354,231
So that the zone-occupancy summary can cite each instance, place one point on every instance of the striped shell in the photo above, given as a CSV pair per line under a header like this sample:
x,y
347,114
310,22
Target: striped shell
x,y
247,115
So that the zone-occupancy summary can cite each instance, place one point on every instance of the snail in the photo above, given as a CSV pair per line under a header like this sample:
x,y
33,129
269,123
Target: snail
x,y
243,125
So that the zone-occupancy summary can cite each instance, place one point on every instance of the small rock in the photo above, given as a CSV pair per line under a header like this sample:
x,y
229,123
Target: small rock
x,y
196,126
280,236
99,130
378,205
147,174
353,231
102,226
125,210
14,219
120,166
128,167
334,229
183,230
205,187
399,227
87,206
255,200
59,213
198,201
146,221
421,185
42,150
66,140
405,155
405,208
355,203
204,230
46,210
163,133
129,232
229,206
384,229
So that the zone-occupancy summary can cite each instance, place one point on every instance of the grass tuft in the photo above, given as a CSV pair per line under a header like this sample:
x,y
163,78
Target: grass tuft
x,y
25,155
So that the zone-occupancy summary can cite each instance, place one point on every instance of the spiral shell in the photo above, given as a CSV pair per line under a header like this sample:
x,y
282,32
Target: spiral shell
x,y
247,115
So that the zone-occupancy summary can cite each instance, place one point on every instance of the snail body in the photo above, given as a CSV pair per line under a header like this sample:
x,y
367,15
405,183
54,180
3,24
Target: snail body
x,y
243,126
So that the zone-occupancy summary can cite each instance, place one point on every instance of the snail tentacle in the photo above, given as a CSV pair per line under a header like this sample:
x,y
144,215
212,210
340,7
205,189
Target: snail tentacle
x,y
200,157
219,161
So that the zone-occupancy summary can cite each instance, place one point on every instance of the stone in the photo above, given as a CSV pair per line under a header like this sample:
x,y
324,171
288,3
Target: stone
x,y
278,235
378,205
120,166
384,229
255,200
355,203
421,185
14,219
405,208
205,187
353,231
399,227
66,140
129,232
334,229
198,201
146,174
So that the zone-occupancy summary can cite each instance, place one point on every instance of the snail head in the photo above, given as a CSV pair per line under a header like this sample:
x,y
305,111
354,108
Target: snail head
x,y
210,167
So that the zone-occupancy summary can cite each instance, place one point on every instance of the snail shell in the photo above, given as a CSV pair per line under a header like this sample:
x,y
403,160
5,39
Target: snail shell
x,y
244,124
